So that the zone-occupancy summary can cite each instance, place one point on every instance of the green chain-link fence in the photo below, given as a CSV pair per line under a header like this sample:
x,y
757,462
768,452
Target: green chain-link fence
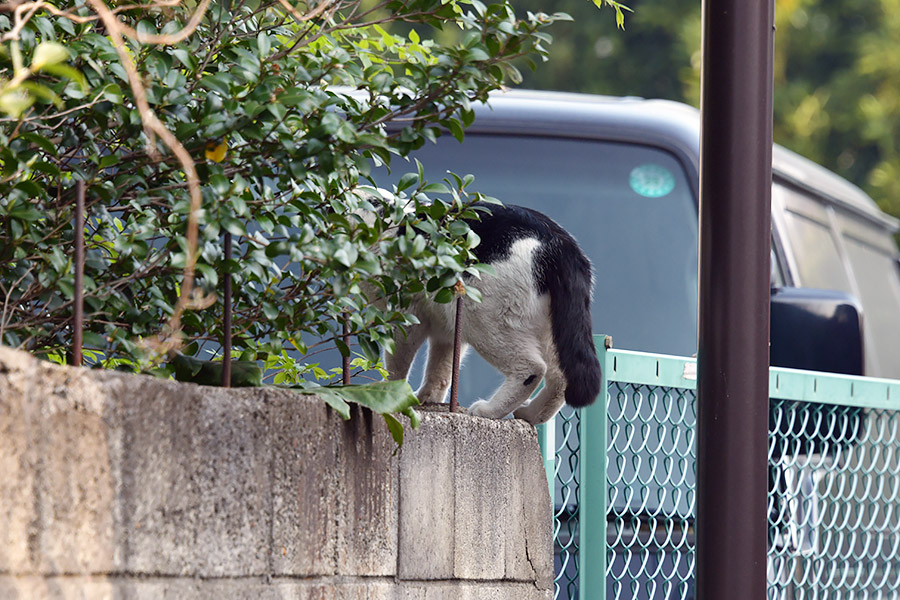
x,y
622,480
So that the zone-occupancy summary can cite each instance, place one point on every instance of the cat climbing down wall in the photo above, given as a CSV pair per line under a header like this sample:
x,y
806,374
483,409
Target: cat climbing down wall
x,y
533,324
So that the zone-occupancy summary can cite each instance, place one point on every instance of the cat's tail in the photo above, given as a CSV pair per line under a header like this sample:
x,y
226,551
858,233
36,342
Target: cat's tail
x,y
567,275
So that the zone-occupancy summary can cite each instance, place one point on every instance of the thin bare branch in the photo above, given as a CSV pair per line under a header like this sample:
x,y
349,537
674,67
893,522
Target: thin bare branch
x,y
152,125
4,320
167,39
318,10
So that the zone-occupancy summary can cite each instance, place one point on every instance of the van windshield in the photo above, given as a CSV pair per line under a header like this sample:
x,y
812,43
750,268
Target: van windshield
x,y
630,208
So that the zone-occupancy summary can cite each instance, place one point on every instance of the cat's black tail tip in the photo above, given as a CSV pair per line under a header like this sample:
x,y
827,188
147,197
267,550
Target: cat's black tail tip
x,y
583,384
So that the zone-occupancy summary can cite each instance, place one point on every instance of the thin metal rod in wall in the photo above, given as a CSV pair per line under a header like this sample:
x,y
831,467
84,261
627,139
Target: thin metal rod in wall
x,y
733,340
345,360
457,351
78,300
226,320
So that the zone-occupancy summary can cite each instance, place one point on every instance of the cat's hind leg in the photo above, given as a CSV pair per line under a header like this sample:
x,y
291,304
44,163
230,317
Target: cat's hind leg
x,y
438,370
399,362
524,369
548,401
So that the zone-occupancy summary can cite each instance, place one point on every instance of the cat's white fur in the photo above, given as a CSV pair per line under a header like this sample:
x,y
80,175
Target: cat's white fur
x,y
510,329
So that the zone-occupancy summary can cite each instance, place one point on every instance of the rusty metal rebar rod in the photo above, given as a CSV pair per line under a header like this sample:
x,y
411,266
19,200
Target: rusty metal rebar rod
x,y
226,321
457,350
345,360
78,300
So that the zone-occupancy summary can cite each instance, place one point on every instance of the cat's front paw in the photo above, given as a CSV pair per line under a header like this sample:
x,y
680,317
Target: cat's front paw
x,y
431,396
482,408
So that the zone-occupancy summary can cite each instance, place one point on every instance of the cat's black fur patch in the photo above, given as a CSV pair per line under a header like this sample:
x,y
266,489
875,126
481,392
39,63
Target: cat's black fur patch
x,y
561,269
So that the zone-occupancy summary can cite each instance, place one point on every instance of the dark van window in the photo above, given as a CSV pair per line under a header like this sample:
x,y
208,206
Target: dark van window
x,y
818,257
631,209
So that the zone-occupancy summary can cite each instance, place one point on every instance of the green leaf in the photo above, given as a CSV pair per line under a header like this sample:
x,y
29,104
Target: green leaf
x,y
218,83
346,255
333,399
209,273
383,397
444,296
68,72
25,212
395,427
94,340
407,181
45,167
436,188
43,92
420,169
270,310
113,93
414,419
48,54
15,102
40,141
263,44
219,183
369,348
233,226
456,129
184,57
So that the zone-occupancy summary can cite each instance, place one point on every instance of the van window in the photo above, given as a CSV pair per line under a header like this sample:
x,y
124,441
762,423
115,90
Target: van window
x,y
630,207
871,255
814,246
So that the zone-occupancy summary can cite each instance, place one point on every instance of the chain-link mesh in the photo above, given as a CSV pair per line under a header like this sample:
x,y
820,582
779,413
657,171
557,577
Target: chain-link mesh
x,y
834,495
565,503
833,498
650,474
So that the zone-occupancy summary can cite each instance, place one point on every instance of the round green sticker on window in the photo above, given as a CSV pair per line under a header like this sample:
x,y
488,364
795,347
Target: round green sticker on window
x,y
651,181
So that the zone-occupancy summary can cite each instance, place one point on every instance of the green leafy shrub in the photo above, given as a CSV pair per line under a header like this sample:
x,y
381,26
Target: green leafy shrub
x,y
283,111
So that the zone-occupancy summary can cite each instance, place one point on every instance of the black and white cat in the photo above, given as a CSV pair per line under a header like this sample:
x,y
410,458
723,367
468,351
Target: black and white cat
x,y
533,324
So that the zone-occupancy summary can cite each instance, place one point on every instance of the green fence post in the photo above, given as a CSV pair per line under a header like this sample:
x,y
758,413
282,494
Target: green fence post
x,y
592,477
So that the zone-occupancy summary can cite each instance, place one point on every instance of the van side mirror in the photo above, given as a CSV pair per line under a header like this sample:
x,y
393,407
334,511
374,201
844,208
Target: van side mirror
x,y
816,330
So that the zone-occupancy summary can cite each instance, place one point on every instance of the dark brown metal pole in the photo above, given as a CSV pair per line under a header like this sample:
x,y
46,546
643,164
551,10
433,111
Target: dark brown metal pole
x,y
457,351
226,320
345,360
78,300
732,385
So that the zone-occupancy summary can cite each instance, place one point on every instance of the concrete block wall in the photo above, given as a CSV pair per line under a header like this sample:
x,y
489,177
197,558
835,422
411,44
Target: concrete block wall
x,y
117,486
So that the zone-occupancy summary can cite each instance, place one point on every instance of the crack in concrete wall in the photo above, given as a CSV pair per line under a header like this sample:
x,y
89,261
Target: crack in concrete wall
x,y
120,486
